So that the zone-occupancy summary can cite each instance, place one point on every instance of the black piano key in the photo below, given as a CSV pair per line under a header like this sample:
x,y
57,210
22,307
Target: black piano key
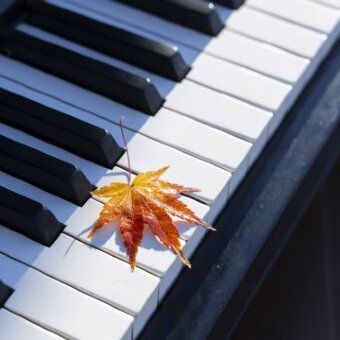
x,y
234,4
132,90
5,291
53,126
195,14
47,172
28,217
116,42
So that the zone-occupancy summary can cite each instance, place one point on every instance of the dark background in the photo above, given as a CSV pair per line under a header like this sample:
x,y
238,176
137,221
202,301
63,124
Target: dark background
x,y
300,298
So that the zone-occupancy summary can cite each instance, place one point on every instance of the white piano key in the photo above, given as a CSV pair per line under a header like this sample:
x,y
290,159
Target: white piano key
x,y
218,110
89,270
240,82
302,12
200,140
228,45
59,307
14,327
276,32
260,57
334,4
152,256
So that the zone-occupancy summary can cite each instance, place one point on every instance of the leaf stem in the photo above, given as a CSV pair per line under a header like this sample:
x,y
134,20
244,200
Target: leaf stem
x,y
126,147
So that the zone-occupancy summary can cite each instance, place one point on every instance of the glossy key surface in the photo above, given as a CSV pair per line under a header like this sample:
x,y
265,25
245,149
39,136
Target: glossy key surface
x,y
43,170
106,80
198,15
157,57
59,128
28,217
230,3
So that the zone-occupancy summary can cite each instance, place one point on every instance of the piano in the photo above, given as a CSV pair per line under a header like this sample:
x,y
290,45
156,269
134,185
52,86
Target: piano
x,y
232,96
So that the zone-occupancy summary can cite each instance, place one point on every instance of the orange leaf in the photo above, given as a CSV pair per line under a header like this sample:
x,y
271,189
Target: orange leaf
x,y
147,202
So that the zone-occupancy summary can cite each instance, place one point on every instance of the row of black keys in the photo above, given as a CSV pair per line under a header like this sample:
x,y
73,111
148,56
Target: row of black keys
x,y
115,83
53,175
42,170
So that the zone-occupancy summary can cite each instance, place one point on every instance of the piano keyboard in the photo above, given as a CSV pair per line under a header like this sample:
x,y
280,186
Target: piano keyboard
x,y
202,88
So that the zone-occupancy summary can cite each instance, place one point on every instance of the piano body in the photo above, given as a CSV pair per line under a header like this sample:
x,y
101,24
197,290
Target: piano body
x,y
214,91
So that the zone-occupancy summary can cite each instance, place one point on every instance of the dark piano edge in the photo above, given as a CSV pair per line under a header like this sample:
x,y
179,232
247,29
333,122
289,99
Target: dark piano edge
x,y
211,298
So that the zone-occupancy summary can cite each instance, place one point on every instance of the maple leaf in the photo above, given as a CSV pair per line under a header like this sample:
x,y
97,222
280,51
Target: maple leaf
x,y
147,202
